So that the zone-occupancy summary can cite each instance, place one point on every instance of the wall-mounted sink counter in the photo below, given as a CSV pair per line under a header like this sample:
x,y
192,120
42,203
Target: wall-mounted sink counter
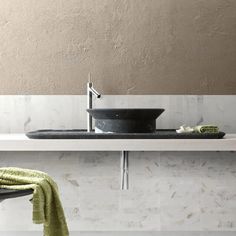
x,y
19,142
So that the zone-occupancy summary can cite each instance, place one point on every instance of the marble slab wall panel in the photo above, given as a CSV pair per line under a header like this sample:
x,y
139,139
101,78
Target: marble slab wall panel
x,y
24,113
171,193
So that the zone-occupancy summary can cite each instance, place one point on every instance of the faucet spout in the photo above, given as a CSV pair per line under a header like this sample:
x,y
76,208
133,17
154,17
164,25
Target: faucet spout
x,y
94,92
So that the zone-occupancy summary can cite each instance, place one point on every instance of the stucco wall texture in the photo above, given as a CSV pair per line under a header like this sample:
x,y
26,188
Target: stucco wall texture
x,y
129,46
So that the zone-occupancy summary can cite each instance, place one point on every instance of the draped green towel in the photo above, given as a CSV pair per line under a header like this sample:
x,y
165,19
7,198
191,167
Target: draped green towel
x,y
47,208
206,129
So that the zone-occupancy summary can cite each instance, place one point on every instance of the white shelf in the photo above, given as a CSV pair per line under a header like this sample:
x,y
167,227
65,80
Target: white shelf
x,y
19,142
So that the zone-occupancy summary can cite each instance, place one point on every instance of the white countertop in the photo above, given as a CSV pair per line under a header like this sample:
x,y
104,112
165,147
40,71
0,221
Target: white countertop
x,y
19,142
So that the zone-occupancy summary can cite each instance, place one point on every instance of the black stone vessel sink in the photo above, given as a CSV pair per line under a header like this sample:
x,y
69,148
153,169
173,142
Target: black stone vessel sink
x,y
125,120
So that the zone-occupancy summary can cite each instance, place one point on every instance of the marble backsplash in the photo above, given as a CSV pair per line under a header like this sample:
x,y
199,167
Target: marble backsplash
x,y
191,192
24,113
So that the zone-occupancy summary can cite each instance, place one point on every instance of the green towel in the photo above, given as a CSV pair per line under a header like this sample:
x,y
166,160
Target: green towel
x,y
206,129
47,208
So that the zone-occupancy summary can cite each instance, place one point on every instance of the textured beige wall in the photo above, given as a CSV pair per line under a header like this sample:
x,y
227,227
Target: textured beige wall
x,y
130,46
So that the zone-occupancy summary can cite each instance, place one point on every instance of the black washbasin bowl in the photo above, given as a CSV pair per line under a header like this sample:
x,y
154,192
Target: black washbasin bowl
x,y
125,120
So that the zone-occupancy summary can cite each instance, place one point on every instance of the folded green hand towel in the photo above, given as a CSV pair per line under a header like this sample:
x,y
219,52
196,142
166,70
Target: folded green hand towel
x,y
47,208
206,129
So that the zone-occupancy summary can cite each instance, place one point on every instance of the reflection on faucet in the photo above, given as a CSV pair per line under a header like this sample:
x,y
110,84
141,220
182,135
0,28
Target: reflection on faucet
x,y
90,92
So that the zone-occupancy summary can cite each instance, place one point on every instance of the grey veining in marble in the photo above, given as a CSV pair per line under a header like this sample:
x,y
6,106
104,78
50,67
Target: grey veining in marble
x,y
169,191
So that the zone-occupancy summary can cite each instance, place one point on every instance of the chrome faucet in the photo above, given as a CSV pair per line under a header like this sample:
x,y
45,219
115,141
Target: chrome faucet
x,y
90,92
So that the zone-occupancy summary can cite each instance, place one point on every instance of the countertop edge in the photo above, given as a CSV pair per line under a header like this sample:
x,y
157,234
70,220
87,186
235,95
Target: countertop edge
x,y
20,142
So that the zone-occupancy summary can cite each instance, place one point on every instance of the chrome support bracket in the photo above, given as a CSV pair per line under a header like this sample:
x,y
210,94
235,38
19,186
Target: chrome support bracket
x,y
124,161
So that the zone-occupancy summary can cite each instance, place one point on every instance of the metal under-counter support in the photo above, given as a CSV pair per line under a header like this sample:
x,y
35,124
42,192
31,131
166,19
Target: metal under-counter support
x,y
124,164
